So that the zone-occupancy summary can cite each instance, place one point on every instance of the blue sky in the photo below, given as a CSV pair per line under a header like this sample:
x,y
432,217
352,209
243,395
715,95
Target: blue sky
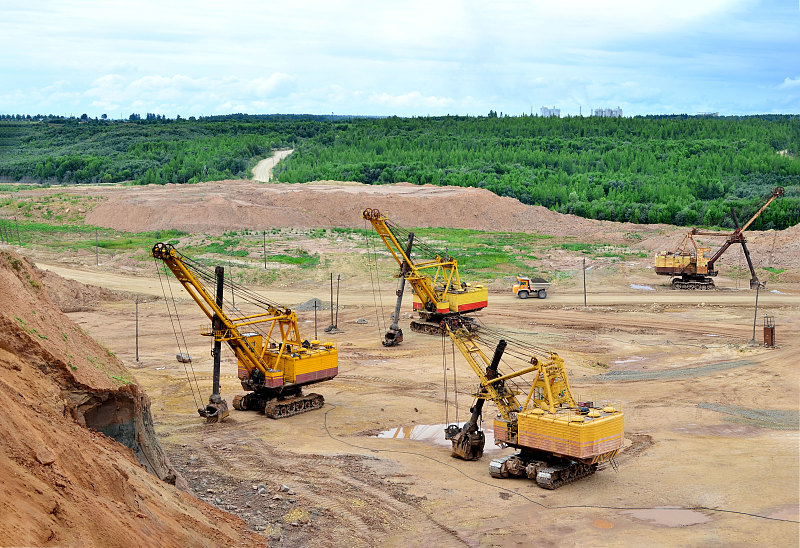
x,y
409,58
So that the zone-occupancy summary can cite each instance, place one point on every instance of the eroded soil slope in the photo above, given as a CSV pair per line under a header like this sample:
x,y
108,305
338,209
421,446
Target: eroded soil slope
x,y
65,480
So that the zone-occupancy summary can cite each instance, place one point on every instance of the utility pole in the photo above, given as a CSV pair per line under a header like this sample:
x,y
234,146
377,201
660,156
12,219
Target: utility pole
x,y
265,250
96,252
584,282
18,237
336,323
316,337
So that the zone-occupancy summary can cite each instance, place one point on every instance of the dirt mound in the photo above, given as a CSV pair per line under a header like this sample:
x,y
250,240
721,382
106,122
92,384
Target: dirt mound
x,y
78,454
226,205
73,296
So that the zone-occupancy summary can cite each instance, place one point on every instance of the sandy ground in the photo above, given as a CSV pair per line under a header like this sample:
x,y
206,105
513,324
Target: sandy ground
x,y
711,421
688,434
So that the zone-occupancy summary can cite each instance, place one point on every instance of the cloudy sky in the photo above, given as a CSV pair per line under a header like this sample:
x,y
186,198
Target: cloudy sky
x,y
403,57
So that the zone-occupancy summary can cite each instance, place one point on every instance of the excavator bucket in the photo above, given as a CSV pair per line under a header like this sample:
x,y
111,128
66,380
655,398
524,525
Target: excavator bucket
x,y
393,337
469,445
215,412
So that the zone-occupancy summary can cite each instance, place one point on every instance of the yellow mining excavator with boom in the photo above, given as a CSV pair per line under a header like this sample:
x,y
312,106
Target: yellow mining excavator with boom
x,y
438,290
691,267
274,361
558,439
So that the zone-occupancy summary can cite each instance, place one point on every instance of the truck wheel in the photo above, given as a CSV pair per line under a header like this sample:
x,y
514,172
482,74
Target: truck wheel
x,y
522,294
542,294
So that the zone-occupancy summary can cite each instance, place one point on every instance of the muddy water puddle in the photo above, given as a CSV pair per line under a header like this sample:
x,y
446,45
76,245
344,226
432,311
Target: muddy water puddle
x,y
432,434
670,516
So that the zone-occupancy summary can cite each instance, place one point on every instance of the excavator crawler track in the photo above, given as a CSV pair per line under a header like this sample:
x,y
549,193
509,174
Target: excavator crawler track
x,y
692,285
553,477
547,475
426,328
279,409
431,328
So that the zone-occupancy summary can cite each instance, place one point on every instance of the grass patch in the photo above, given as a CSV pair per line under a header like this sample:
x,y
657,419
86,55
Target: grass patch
x,y
74,237
302,259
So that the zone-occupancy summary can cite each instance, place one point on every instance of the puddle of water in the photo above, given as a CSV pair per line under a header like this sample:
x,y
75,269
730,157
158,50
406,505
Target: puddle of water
x,y
642,287
670,516
629,360
433,434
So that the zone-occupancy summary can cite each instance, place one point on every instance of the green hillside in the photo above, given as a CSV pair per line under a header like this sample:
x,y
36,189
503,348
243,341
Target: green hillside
x,y
680,170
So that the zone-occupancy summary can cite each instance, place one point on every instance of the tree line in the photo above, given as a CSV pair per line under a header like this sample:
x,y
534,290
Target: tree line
x,y
661,169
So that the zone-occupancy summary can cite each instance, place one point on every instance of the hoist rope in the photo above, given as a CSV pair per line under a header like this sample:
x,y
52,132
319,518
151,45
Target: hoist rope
x,y
177,341
371,246
455,380
444,374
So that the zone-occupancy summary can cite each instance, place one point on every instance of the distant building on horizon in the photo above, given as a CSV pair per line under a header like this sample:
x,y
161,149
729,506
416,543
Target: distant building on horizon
x,y
608,112
545,112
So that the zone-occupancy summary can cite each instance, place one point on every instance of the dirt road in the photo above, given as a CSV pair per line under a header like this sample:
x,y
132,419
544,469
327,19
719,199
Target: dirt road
x,y
262,172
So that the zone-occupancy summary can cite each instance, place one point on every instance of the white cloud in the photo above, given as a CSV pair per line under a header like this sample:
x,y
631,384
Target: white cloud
x,y
362,57
790,83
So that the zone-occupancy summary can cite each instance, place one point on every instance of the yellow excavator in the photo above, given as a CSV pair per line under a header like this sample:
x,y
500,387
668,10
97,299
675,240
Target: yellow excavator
x,y
691,267
438,289
274,361
558,439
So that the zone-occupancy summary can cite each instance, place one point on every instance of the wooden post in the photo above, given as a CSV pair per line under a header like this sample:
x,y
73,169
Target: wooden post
x,y
338,277
584,282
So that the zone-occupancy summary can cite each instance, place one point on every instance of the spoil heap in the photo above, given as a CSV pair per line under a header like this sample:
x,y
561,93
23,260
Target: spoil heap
x,y
79,458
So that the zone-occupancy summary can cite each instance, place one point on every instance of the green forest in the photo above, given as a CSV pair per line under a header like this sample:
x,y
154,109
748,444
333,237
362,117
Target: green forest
x,y
683,170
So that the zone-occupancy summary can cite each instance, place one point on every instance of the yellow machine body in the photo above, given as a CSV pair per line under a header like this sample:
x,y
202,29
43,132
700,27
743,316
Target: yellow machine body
x,y
591,438
473,297
675,263
318,362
